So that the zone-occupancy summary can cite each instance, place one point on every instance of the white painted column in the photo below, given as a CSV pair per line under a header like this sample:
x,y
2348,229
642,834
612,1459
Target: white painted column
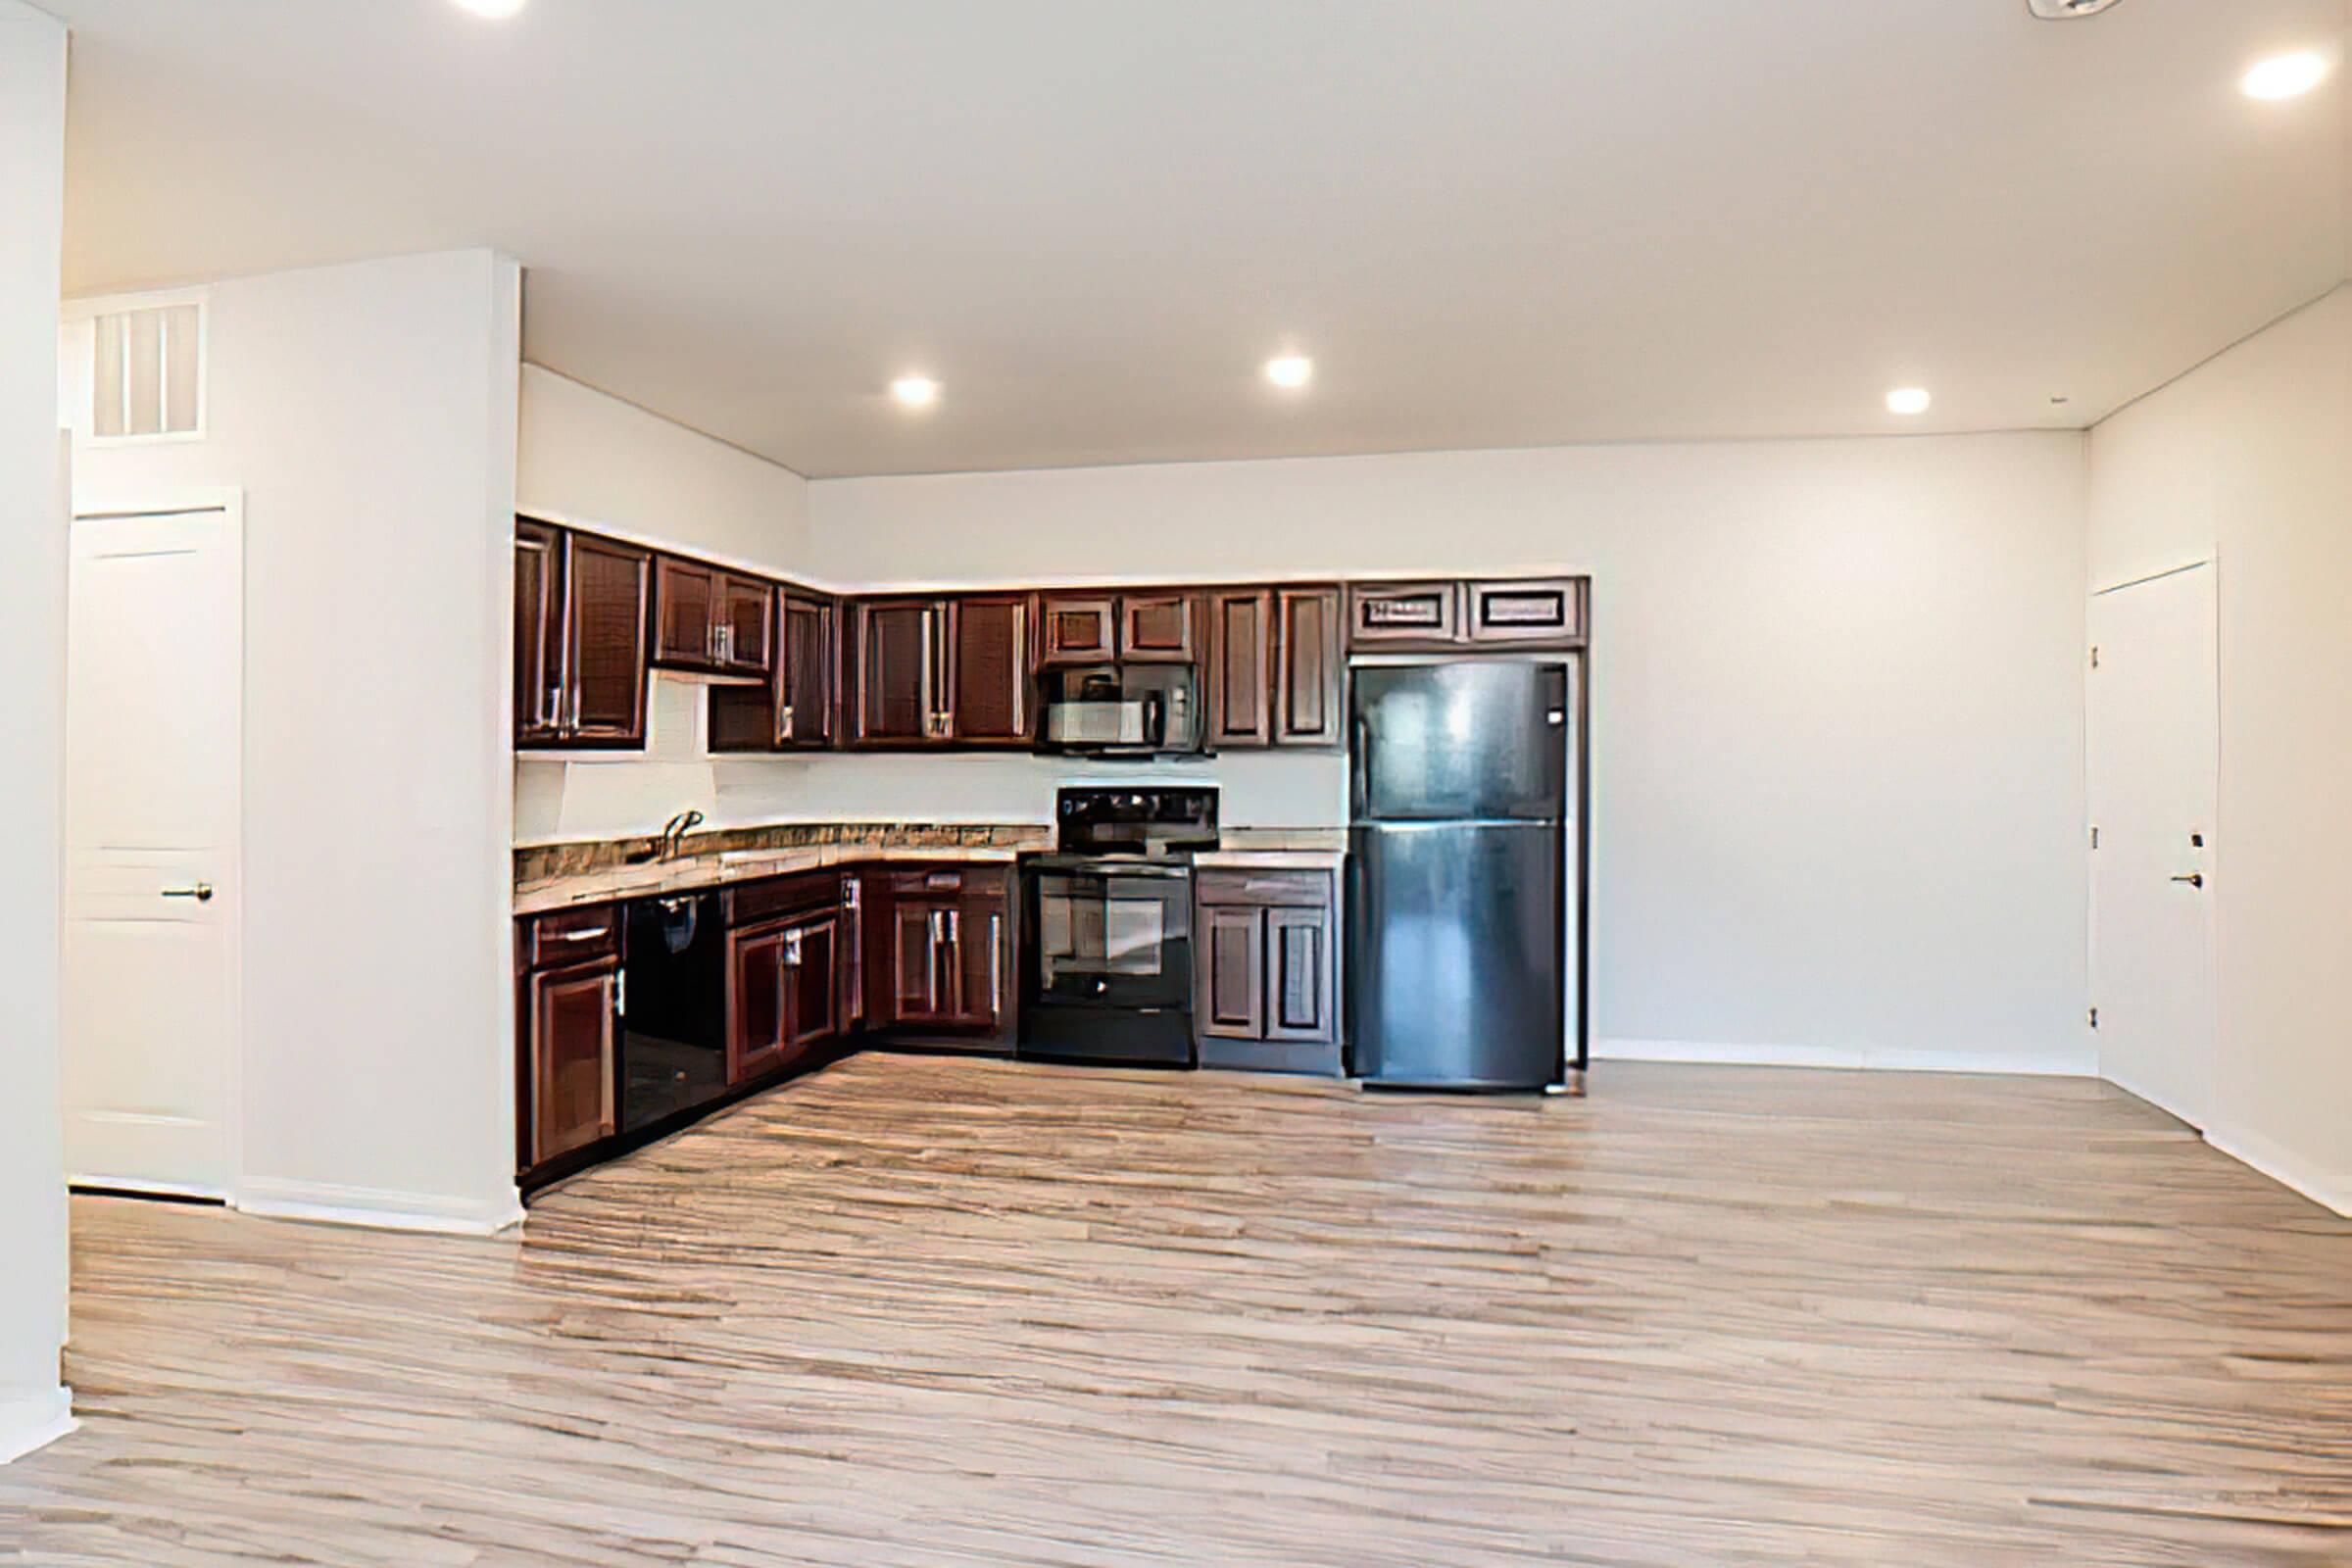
x,y
33,1405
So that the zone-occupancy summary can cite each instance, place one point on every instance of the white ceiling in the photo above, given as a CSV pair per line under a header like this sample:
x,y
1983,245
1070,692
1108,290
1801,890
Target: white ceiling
x,y
1492,222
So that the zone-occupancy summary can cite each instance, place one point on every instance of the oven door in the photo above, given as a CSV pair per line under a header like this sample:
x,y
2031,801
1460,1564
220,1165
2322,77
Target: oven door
x,y
1112,936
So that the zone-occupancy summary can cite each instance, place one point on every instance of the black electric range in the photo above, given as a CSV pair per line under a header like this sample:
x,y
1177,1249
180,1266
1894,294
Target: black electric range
x,y
1107,916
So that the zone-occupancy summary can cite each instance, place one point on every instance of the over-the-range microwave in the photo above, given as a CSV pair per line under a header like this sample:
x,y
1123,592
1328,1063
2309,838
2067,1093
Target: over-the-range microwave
x,y
1123,710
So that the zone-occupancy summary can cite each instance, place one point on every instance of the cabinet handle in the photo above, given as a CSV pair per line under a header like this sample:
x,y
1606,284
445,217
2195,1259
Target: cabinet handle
x,y
930,689
574,728
200,892
784,723
582,936
792,951
995,964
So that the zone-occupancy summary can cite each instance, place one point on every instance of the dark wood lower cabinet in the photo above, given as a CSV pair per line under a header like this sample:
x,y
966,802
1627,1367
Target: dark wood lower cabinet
x,y
783,985
1265,973
572,1018
940,952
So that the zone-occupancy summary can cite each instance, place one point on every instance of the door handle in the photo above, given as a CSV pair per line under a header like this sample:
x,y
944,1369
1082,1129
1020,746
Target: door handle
x,y
2196,879
200,892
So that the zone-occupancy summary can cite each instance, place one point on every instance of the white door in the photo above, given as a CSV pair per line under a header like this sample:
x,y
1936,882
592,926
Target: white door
x,y
154,720
2154,767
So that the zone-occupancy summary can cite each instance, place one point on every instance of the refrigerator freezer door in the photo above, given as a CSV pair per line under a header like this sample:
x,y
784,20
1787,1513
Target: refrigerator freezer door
x,y
1454,954
1461,741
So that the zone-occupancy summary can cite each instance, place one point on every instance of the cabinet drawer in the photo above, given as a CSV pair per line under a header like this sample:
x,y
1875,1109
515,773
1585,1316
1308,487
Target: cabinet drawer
x,y
947,879
772,897
571,936
1266,889
1547,611
1412,614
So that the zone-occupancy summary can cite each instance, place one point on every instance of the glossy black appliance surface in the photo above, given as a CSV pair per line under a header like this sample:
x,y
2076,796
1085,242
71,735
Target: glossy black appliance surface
x,y
1458,867
1107,967
673,1041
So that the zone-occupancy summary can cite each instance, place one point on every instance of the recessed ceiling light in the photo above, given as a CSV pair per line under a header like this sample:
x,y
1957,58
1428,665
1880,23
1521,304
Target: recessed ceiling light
x,y
1908,400
2286,75
1290,371
916,391
495,10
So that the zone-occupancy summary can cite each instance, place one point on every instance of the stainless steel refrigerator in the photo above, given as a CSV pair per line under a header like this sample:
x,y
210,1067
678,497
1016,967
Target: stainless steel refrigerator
x,y
1465,869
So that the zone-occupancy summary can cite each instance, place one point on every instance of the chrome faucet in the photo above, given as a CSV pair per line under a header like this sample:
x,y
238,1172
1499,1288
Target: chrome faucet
x,y
673,834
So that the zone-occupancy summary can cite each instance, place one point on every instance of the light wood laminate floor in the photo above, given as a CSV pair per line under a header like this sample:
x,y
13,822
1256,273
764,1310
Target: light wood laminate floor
x,y
921,1311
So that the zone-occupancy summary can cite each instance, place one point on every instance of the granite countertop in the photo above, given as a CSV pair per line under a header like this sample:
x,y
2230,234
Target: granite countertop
x,y
553,876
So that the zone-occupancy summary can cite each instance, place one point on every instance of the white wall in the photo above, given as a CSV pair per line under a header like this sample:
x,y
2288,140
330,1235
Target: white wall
x,y
32,649
2248,460
1837,700
599,463
368,414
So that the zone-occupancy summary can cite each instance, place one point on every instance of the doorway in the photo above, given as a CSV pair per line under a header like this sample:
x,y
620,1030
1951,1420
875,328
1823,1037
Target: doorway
x,y
153,891
2154,765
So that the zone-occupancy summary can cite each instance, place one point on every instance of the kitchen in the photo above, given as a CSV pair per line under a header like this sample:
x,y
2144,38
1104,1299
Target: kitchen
x,y
661,977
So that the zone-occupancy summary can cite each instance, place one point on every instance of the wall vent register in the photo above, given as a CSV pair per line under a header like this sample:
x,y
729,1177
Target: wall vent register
x,y
147,372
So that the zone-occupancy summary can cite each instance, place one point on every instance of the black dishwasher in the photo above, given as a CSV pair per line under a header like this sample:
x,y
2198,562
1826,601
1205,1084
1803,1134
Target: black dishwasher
x,y
674,1040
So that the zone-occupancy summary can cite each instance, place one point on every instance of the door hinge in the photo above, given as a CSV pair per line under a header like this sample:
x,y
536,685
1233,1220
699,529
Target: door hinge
x,y
2094,837
2094,1018
2094,655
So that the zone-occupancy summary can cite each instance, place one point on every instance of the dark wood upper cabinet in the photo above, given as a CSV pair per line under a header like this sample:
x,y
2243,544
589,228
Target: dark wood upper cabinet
x,y
900,672
1078,628
538,632
794,708
808,673
604,654
1532,612
1403,614
1241,667
989,665
709,619
1308,671
1158,627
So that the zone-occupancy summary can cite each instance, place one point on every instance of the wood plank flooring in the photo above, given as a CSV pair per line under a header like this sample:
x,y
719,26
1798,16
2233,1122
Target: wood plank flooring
x,y
922,1310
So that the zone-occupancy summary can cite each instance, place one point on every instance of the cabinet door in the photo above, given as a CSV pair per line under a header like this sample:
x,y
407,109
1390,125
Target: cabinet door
x,y
1230,988
849,951
1306,694
1299,975
1241,667
981,931
685,613
1533,612
756,1000
991,665
901,651
538,632
1403,614
744,616
605,664
926,968
1079,629
811,983
804,677
572,1031
1157,627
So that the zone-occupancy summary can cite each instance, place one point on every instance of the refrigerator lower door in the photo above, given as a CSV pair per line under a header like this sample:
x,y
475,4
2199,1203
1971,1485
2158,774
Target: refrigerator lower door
x,y
1456,960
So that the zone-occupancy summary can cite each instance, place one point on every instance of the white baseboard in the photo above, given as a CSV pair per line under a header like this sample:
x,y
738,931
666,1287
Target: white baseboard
x,y
2331,1188
1846,1058
29,1421
379,1208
